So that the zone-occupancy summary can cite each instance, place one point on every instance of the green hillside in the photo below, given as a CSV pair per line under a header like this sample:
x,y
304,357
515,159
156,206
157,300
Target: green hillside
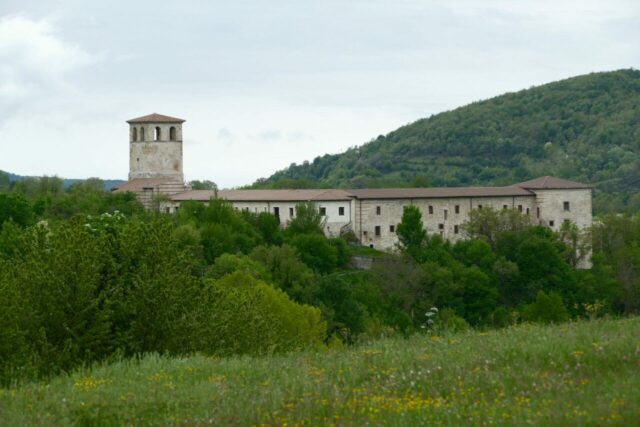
x,y
583,373
586,128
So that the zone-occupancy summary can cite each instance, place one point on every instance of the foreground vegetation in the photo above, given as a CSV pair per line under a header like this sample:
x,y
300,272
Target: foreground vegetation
x,y
78,287
583,128
583,373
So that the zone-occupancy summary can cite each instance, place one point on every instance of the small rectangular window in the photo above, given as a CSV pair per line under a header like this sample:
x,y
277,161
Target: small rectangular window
x,y
323,211
538,212
446,214
430,210
392,228
552,223
505,207
456,228
519,208
291,212
276,211
457,209
377,230
167,209
377,210
480,207
528,211
341,211
567,207
441,226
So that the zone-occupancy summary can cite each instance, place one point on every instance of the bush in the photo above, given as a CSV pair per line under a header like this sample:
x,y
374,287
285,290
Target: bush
x,y
448,321
242,315
316,251
547,308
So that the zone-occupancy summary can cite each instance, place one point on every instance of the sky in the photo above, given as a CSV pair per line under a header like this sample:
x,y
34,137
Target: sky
x,y
263,84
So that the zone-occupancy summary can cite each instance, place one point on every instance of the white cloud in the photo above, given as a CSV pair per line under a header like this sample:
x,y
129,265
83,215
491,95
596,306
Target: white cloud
x,y
34,59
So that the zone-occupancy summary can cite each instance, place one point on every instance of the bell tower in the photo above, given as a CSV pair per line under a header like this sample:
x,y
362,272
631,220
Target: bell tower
x,y
155,147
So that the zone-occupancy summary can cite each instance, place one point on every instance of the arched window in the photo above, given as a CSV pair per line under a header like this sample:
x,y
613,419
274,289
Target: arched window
x,y
156,134
141,134
172,133
134,134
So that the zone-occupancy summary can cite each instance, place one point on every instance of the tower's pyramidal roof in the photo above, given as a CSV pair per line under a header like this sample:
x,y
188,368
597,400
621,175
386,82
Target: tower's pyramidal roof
x,y
156,118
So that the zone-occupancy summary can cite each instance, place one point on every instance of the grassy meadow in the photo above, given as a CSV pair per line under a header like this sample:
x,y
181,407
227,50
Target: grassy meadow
x,y
582,373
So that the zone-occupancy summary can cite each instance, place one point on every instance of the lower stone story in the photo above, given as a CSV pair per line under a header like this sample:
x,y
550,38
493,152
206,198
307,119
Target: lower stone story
x,y
373,214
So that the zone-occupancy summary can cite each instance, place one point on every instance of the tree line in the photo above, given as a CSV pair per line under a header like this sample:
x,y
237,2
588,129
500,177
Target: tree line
x,y
87,275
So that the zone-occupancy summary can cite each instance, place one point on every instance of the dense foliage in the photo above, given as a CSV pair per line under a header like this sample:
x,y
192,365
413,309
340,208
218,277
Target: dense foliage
x,y
585,128
78,287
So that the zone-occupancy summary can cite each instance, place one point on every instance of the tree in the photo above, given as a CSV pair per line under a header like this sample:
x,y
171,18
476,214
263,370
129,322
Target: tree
x,y
411,232
316,251
547,308
16,209
577,242
307,220
490,224
203,185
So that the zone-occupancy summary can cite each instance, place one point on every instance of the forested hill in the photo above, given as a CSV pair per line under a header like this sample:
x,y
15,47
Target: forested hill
x,y
7,179
585,128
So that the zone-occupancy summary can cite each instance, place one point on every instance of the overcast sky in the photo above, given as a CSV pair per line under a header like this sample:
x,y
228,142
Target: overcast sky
x,y
263,84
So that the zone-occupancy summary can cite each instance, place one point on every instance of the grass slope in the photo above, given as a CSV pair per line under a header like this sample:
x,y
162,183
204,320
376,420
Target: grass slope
x,y
585,128
584,373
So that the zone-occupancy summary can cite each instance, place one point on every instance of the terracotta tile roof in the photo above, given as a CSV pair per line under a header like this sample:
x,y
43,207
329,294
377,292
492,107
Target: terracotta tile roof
x,y
156,118
551,183
265,195
441,192
140,183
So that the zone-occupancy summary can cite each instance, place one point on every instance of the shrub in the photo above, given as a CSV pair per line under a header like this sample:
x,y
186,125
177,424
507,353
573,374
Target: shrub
x,y
547,308
448,321
242,315
316,251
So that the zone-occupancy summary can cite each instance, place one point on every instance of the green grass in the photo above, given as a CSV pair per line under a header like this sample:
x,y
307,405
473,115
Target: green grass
x,y
366,251
585,373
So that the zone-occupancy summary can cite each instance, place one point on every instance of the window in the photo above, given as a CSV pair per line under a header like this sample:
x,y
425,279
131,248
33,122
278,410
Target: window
x,y
377,210
456,229
457,209
377,230
480,207
323,211
446,214
167,209
538,212
134,134
392,229
440,226
430,210
341,211
141,134
567,207
528,211
156,133
172,133
276,212
552,223
505,207
519,208
291,212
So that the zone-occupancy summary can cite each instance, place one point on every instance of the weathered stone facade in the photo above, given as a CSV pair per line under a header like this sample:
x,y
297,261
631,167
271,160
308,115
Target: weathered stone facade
x,y
155,147
371,214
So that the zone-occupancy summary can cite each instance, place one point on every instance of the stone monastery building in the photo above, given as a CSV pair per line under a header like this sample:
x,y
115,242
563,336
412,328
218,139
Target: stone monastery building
x,y
156,176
